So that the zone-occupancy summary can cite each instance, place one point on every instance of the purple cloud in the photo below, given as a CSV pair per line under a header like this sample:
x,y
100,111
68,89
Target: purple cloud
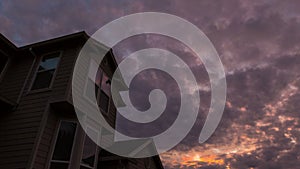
x,y
258,42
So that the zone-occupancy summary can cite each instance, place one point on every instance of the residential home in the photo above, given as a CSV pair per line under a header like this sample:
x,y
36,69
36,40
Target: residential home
x,y
39,128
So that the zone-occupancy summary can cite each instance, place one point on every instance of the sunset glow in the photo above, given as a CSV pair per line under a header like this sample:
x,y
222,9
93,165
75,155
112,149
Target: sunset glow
x,y
240,144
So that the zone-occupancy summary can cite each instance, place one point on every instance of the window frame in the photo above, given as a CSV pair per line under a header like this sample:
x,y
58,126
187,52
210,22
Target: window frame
x,y
99,89
31,90
53,143
86,83
99,94
96,150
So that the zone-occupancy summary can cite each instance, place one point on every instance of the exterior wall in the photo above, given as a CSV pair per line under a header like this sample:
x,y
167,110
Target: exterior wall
x,y
18,129
59,92
14,77
43,153
28,133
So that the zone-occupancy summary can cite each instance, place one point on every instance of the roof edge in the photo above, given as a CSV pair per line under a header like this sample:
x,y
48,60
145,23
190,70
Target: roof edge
x,y
81,34
8,42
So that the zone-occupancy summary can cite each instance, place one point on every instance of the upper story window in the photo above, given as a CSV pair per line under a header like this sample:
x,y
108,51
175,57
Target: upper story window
x,y
93,80
46,71
64,145
101,82
104,93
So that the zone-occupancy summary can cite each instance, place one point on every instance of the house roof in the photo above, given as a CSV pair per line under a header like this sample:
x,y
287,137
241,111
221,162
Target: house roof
x,y
6,46
75,38
72,38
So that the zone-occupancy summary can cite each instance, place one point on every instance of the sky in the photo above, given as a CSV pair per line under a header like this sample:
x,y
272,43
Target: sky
x,y
258,44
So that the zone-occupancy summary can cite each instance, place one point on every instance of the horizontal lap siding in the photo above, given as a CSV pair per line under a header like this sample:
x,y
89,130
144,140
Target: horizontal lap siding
x,y
35,105
18,131
18,128
111,117
64,74
59,91
43,152
14,78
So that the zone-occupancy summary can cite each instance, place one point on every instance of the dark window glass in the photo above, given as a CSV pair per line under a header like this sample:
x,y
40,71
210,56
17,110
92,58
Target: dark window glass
x,y
64,141
98,76
104,101
55,165
102,83
46,71
43,79
105,84
89,149
105,93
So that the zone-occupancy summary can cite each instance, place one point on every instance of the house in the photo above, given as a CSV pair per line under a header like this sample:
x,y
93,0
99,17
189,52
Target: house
x,y
38,125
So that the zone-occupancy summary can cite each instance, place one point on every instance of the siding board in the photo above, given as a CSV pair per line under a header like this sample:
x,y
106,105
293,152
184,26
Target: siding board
x,y
27,133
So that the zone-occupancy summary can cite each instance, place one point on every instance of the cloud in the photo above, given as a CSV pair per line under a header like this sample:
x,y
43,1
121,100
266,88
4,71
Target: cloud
x,y
258,42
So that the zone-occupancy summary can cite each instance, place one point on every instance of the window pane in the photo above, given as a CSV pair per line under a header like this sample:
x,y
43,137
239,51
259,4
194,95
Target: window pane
x,y
43,79
58,165
64,141
98,76
46,70
105,84
104,101
49,61
89,149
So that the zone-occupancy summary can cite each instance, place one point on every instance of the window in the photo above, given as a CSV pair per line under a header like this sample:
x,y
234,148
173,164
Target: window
x,y
93,80
98,79
46,71
104,93
64,145
104,101
90,149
